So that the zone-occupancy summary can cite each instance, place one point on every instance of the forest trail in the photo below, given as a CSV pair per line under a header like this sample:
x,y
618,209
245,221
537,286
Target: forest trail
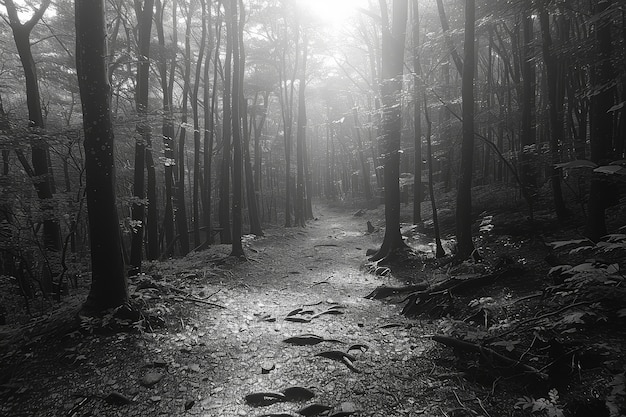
x,y
207,359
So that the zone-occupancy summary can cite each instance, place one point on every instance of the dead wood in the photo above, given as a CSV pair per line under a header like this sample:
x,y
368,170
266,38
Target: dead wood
x,y
490,355
58,323
384,291
437,301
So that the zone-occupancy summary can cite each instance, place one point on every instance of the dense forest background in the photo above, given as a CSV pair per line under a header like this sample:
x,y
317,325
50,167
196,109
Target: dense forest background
x,y
228,115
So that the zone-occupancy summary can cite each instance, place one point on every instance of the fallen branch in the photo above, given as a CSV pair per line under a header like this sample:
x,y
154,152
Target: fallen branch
x,y
489,354
437,301
384,291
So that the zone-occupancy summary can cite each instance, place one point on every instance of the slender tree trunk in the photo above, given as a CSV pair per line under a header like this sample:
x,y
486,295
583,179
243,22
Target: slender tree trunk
x,y
556,121
439,251
39,153
528,145
417,118
166,131
181,209
224,204
237,248
602,190
196,131
300,206
209,124
108,281
142,140
391,88
465,245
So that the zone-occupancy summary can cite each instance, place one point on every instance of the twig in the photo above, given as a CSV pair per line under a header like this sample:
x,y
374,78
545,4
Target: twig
x,y
200,301
539,318
489,354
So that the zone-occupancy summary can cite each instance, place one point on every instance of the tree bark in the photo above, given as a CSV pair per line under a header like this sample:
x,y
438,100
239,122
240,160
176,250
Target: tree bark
x,y
142,140
108,281
602,190
391,87
40,152
233,35
465,245
167,130
417,119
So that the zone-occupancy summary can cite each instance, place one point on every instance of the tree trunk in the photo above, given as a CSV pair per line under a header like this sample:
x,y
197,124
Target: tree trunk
x,y
417,119
167,131
142,140
224,204
196,132
233,36
181,203
602,190
300,206
528,145
465,245
555,109
391,88
39,154
108,282
439,251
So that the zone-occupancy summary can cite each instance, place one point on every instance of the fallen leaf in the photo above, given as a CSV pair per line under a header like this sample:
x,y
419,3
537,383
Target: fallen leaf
x,y
333,311
260,399
297,319
350,365
336,355
276,415
304,339
189,404
117,398
313,409
298,394
358,346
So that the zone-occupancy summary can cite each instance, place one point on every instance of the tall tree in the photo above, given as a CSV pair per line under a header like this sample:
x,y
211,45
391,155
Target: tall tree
x,y
108,280
196,128
465,245
555,110
167,129
143,140
300,202
601,191
417,116
40,152
233,36
181,209
393,37
227,128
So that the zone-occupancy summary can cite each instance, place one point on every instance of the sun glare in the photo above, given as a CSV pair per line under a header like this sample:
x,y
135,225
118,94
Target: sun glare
x,y
334,13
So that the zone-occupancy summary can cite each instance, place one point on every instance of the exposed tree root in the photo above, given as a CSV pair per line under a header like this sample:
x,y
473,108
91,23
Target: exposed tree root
x,y
490,355
384,291
437,301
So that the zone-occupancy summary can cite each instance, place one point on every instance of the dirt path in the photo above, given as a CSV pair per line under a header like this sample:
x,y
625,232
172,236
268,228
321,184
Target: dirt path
x,y
214,357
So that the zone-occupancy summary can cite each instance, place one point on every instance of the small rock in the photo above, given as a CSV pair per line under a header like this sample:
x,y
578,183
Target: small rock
x,y
267,367
150,379
189,404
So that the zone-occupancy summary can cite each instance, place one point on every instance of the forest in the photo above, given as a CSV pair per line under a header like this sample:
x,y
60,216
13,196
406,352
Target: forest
x,y
198,197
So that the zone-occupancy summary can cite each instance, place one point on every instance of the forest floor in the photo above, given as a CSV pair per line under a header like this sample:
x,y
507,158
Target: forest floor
x,y
213,338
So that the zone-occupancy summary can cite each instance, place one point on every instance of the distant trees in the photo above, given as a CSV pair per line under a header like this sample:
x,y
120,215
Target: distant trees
x,y
257,114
